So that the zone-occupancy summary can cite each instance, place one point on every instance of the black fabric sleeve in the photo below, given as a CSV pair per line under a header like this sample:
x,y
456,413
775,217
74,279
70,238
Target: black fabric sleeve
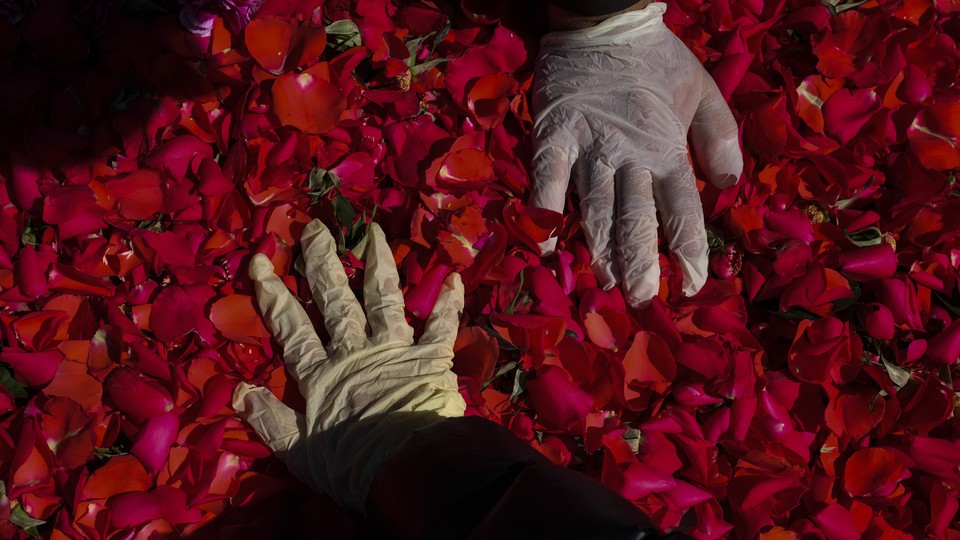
x,y
469,478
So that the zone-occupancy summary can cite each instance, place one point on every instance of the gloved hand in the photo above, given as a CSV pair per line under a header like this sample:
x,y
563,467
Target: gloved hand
x,y
613,105
365,393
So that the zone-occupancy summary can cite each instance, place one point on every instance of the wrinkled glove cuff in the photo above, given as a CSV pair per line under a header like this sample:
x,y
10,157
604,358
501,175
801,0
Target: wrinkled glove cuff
x,y
616,30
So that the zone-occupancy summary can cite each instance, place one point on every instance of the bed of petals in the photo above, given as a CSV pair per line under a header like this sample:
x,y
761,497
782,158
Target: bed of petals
x,y
808,390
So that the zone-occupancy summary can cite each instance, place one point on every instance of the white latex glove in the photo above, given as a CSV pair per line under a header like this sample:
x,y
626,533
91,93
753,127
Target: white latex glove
x,y
613,106
365,393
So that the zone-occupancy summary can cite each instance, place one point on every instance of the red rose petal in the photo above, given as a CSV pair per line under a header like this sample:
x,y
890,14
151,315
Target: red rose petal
x,y
307,100
136,397
268,40
120,474
872,470
236,318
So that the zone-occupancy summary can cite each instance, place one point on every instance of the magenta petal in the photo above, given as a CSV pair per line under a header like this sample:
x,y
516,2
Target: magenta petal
x,y
836,523
133,508
945,346
178,310
846,111
915,86
693,395
936,456
154,441
871,262
32,368
559,403
421,299
685,495
31,269
134,396
641,480
25,185
901,297
879,321
730,71
168,503
176,155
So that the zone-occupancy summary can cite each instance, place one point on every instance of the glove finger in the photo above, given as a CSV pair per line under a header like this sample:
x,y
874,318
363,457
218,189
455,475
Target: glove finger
x,y
681,213
341,312
280,427
714,136
286,319
636,237
444,323
381,292
551,177
595,183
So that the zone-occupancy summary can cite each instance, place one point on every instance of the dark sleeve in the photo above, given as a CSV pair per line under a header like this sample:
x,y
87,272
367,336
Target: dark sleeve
x,y
594,7
469,478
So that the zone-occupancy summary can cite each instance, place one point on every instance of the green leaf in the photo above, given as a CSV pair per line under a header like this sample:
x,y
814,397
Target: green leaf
x,y
20,518
427,66
31,235
518,298
343,210
321,182
632,436
413,46
107,453
342,35
837,7
504,369
714,238
898,375
155,224
11,384
519,384
844,203
871,236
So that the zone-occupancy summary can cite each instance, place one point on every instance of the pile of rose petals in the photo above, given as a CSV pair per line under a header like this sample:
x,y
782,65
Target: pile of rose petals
x,y
808,390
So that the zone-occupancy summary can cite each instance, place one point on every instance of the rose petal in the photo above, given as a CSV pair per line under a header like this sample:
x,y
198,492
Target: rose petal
x,y
154,441
136,397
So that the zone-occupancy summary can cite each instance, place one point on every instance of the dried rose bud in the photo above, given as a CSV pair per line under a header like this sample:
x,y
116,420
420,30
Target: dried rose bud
x,y
889,238
726,262
403,80
815,212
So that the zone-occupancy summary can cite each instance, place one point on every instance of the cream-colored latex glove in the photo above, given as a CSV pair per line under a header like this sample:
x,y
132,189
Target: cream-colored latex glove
x,y
365,391
613,105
